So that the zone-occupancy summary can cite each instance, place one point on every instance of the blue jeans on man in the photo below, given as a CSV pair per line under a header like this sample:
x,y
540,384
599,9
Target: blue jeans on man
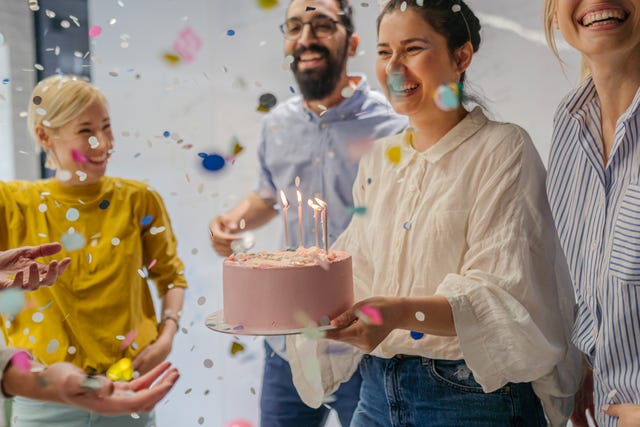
x,y
280,405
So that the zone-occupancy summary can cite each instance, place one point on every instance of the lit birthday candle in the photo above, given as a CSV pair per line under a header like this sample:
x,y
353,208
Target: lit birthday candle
x,y
315,208
323,221
285,207
301,243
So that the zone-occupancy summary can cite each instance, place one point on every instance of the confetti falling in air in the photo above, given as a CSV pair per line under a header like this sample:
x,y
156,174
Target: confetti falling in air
x,y
358,210
72,241
394,155
231,32
152,263
212,162
187,44
95,31
78,157
166,134
171,58
238,423
122,370
266,102
416,335
208,363
267,4
420,316
448,96
369,315
104,204
93,142
22,361
148,219
236,348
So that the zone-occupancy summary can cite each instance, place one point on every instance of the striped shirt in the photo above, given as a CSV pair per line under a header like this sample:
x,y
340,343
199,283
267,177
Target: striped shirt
x,y
596,208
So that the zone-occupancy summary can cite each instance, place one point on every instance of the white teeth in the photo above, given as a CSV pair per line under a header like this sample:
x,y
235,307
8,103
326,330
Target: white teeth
x,y
310,58
602,15
403,87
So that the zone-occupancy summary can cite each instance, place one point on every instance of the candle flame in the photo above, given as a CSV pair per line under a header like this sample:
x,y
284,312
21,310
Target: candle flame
x,y
322,203
313,205
285,202
299,196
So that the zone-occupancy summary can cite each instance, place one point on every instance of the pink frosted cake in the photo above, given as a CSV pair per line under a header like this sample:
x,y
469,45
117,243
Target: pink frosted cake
x,y
277,290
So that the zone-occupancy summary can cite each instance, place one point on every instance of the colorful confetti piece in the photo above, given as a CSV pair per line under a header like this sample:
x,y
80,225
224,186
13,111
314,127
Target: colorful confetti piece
x,y
122,370
236,348
95,31
448,96
394,154
267,4
369,315
212,162
416,335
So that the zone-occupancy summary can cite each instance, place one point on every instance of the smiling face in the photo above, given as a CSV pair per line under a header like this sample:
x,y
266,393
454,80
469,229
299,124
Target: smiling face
x,y
413,60
599,28
318,63
82,146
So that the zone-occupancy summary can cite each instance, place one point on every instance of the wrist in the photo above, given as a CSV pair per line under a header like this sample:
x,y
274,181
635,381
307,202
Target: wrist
x,y
169,322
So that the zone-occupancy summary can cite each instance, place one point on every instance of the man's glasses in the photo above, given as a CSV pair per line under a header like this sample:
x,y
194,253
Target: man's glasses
x,y
321,27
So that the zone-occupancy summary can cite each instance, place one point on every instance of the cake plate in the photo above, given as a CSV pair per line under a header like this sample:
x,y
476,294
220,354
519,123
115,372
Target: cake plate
x,y
215,322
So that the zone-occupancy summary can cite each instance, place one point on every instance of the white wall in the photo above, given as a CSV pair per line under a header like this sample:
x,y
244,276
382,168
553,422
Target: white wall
x,y
208,101
7,169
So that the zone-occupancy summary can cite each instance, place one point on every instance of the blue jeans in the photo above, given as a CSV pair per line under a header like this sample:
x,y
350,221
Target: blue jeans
x,y
280,405
416,392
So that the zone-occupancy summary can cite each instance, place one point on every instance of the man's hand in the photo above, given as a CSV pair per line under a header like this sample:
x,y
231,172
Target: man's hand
x,y
19,269
222,229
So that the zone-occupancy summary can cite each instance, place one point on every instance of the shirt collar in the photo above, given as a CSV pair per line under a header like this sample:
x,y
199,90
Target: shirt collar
x,y
460,133
587,94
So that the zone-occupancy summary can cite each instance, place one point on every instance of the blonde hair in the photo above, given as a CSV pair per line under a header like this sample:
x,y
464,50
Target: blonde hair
x,y
548,16
57,100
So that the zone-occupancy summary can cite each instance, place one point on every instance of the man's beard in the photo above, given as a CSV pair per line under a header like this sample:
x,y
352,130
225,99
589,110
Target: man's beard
x,y
318,84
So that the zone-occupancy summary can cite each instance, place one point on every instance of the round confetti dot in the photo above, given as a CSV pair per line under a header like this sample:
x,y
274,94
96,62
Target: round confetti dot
x,y
72,214
407,225
347,92
208,363
403,6
146,220
267,4
416,335
72,241
115,241
202,300
267,101
394,155
71,350
42,207
292,89
37,100
135,415
194,251
104,204
95,31
213,162
201,420
63,175
37,317
93,142
420,316
6,80
166,134
53,346
11,301
456,8
231,33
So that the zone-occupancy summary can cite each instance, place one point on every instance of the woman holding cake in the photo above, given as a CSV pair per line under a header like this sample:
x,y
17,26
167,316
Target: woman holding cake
x,y
465,304
114,230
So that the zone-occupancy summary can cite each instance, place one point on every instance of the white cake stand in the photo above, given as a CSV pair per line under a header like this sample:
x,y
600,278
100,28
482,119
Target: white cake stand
x,y
215,322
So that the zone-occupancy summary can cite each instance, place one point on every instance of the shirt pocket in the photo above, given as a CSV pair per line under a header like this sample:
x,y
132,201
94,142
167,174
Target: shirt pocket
x,y
625,251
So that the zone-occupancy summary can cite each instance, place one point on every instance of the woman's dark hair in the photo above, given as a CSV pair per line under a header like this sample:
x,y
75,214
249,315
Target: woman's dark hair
x,y
452,19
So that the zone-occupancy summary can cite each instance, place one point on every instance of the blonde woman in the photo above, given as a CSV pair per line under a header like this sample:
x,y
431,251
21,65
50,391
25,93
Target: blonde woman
x,y
101,310
594,190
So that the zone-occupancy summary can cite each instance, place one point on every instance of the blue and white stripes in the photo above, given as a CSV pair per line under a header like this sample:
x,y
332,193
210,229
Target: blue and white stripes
x,y
596,207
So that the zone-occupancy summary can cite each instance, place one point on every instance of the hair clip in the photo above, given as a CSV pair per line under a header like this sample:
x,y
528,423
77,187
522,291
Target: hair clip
x,y
456,8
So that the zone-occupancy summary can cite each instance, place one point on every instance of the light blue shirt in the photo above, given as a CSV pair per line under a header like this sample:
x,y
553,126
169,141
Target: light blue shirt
x,y
323,151
596,208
